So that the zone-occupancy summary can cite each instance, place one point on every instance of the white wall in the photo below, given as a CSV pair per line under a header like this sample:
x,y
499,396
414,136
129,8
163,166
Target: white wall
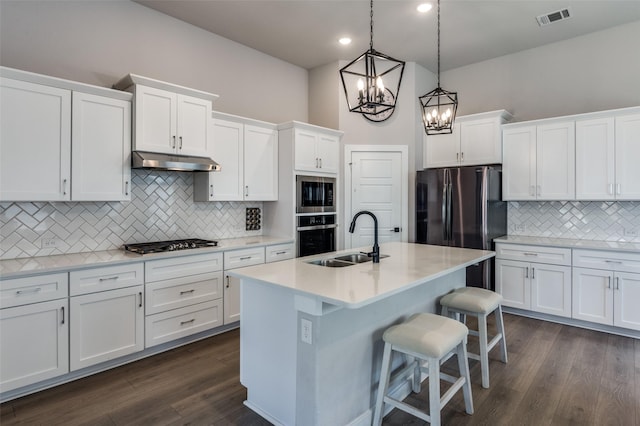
x,y
98,42
594,72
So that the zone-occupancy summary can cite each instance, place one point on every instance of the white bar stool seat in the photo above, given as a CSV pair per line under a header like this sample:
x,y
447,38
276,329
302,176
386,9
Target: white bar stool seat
x,y
479,303
430,338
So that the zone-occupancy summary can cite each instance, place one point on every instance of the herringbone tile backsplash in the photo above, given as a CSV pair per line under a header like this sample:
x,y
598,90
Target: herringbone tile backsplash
x,y
161,208
593,220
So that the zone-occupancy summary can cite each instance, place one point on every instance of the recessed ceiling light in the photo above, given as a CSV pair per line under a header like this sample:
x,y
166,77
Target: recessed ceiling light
x,y
344,41
424,7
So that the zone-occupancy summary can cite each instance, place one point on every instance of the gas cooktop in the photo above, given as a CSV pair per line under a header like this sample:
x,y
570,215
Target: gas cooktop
x,y
172,245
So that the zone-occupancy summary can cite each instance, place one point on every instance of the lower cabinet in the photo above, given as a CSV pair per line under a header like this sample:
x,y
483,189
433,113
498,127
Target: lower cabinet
x,y
183,297
232,260
534,285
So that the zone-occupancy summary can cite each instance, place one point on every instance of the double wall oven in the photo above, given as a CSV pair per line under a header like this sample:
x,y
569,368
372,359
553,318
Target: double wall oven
x,y
315,214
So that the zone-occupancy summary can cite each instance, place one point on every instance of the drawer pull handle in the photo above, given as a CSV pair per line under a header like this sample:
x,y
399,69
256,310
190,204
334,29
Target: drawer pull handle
x,y
140,304
62,311
609,282
533,273
228,278
245,258
115,277
617,262
280,252
530,254
526,274
187,322
617,283
186,292
32,290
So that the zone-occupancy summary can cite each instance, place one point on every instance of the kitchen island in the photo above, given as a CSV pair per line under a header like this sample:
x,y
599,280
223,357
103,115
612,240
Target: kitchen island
x,y
311,335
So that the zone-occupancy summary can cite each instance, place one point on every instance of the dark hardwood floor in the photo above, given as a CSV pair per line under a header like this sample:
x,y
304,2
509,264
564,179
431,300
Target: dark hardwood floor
x,y
556,375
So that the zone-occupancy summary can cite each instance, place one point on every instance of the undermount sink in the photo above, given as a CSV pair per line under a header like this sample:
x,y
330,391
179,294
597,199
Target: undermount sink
x,y
344,260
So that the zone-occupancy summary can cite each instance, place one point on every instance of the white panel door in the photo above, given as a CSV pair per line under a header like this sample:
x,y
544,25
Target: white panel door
x,y
555,162
519,163
260,163
193,126
35,142
595,159
626,306
593,295
627,156
376,186
551,289
513,283
155,120
228,151
101,148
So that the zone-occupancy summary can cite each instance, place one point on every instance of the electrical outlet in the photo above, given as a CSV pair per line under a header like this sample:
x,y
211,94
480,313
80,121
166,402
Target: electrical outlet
x,y
632,233
49,243
305,331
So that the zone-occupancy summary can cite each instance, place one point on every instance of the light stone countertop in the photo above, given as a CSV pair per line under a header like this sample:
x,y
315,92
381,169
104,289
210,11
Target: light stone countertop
x,y
13,268
407,266
570,243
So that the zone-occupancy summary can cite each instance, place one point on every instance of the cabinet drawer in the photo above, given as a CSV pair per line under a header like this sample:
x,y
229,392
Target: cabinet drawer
x,y
607,260
245,257
40,288
163,296
538,254
171,325
105,278
279,252
183,266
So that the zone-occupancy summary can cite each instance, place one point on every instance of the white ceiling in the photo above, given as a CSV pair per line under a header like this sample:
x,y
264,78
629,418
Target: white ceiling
x,y
305,32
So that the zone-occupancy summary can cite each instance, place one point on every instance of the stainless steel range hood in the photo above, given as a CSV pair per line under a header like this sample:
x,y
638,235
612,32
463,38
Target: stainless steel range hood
x,y
180,163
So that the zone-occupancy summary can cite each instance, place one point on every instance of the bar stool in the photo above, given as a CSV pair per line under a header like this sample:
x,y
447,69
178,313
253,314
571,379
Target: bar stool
x,y
431,338
479,303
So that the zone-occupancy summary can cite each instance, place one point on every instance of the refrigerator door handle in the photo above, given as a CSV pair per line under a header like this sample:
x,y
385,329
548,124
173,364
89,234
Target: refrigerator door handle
x,y
484,207
445,210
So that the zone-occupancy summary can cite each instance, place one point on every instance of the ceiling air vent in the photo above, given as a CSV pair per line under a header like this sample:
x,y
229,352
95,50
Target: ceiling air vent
x,y
550,18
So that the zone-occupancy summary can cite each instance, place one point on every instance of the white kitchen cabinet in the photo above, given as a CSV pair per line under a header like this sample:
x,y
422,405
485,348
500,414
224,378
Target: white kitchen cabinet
x,y
539,161
35,142
476,139
61,140
237,259
534,278
183,296
316,151
247,151
169,118
606,288
34,330
278,252
107,313
627,155
101,148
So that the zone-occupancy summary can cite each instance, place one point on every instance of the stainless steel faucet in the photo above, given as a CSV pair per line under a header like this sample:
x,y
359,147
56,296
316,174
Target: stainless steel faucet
x,y
375,253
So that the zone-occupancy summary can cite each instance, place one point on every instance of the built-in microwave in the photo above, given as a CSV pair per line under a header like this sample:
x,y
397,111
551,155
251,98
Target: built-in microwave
x,y
315,194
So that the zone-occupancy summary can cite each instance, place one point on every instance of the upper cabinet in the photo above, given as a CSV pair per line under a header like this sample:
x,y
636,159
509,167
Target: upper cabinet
x,y
476,139
168,118
247,151
315,149
62,141
584,157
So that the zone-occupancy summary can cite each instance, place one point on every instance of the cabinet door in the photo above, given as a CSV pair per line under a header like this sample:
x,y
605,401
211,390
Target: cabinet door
x,y
260,163
519,163
627,155
155,115
551,289
328,150
105,326
595,159
34,343
513,283
101,148
193,136
35,142
480,142
305,150
592,295
228,151
555,162
626,297
442,150
231,299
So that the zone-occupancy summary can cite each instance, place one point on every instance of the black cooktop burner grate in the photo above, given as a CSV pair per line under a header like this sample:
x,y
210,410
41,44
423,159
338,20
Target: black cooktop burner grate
x,y
172,245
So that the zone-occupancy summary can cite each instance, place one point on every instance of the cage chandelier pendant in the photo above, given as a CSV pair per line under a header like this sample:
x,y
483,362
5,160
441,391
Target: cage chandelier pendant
x,y
371,82
439,106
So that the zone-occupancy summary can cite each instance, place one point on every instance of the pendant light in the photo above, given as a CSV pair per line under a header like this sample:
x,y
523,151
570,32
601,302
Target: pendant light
x,y
371,82
439,106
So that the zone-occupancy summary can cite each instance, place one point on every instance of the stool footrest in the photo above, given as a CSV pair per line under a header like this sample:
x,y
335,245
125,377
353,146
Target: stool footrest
x,y
407,408
457,385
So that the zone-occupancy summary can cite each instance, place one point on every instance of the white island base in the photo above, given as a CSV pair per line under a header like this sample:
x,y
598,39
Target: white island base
x,y
311,355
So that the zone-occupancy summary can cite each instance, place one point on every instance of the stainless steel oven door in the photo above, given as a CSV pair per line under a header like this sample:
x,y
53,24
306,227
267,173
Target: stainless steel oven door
x,y
315,194
316,239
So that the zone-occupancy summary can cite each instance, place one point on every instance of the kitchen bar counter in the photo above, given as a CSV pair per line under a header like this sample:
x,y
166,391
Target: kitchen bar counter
x,y
13,268
570,243
311,336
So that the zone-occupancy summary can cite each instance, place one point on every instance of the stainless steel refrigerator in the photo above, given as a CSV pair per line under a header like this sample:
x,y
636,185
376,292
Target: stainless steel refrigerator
x,y
462,207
